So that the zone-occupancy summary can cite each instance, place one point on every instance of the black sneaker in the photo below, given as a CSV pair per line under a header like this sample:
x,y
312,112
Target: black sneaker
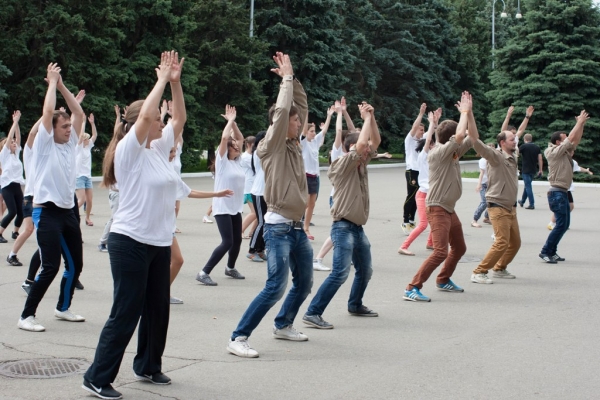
x,y
556,257
234,273
14,261
363,311
78,285
15,235
530,207
158,378
106,392
2,240
547,258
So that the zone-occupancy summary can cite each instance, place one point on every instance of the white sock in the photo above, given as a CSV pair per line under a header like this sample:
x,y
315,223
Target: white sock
x,y
12,254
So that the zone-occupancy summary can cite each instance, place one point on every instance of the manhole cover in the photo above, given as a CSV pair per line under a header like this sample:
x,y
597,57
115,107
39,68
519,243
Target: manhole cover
x,y
469,259
43,368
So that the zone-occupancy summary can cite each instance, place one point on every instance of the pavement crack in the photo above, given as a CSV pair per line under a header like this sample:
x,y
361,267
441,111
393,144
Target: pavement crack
x,y
154,393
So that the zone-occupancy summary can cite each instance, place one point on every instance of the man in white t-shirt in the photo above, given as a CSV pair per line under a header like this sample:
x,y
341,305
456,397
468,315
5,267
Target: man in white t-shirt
x,y
54,190
412,171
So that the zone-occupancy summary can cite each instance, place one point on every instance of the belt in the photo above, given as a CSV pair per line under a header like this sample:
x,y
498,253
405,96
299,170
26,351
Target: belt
x,y
492,205
299,225
311,175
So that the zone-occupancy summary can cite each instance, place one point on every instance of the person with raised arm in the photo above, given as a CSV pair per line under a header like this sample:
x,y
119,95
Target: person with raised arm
x,y
288,248
412,172
58,232
11,178
422,150
249,220
256,248
501,197
141,235
27,225
84,186
560,175
227,210
517,132
311,142
350,212
445,188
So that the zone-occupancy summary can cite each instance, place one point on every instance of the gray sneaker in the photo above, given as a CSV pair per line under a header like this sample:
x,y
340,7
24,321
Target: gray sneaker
x,y
316,321
176,300
504,274
205,279
234,273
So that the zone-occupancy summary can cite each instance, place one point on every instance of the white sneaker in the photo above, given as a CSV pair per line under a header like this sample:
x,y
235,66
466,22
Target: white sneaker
x,y
318,266
503,274
175,300
68,316
407,228
241,348
289,333
481,278
207,220
493,237
30,324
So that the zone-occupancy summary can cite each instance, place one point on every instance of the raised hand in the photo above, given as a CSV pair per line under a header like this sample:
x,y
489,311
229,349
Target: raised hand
x,y
91,119
430,118
510,110
16,116
176,67
423,109
163,72
437,114
62,109
365,110
118,111
80,96
343,103
284,65
338,106
583,116
331,110
466,102
529,111
230,113
53,74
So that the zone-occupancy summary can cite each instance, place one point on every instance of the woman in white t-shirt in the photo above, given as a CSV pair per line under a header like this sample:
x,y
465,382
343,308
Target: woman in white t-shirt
x,y
141,235
84,187
246,162
422,151
227,210
256,249
12,178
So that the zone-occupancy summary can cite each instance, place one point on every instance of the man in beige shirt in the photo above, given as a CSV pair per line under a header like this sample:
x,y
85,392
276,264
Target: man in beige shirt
x,y
560,176
501,198
445,188
350,212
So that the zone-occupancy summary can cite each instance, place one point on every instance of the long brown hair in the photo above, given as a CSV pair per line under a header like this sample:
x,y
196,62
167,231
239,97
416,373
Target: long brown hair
x,y
108,165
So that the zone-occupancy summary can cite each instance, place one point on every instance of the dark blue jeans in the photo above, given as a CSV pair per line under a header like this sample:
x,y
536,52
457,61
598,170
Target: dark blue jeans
x,y
288,250
349,244
528,192
559,204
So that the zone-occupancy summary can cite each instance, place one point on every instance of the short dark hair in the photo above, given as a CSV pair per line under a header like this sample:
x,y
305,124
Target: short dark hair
x,y
556,137
350,140
57,114
511,128
501,136
293,111
446,130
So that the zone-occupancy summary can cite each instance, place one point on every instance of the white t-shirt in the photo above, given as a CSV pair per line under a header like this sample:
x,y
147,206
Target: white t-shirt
x,y
483,165
335,154
12,167
84,159
423,166
148,188
410,152
229,175
177,160
258,187
245,162
54,169
575,169
28,164
310,153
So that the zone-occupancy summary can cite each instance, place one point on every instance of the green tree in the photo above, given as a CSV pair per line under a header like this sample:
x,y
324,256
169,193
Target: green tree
x,y
551,62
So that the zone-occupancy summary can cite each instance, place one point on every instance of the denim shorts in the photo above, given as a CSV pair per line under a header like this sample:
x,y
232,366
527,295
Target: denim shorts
x,y
27,206
247,198
83,182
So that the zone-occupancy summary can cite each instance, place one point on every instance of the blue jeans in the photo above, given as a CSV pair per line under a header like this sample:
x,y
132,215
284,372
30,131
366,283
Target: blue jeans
x,y
528,192
288,249
559,205
482,205
349,244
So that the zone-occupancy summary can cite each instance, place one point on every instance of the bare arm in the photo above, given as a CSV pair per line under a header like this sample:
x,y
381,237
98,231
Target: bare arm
x,y
481,172
80,141
465,108
178,111
94,130
577,131
362,143
52,77
325,127
237,135
77,115
507,118
117,117
32,133
349,123
196,194
430,132
540,164
229,115
338,125
14,132
417,123
523,126
375,135
436,117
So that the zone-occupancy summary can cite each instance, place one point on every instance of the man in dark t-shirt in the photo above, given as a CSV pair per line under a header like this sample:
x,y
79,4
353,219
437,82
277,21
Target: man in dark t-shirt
x,y
532,156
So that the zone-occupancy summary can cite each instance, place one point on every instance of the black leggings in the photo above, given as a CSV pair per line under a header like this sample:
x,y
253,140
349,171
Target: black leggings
x,y
13,197
410,204
230,228
257,242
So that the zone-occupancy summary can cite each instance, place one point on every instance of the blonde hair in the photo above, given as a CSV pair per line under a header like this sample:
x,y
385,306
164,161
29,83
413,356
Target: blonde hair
x,y
108,165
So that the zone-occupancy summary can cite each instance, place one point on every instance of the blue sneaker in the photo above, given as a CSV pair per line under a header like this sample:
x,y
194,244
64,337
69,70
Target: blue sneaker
x,y
450,287
415,295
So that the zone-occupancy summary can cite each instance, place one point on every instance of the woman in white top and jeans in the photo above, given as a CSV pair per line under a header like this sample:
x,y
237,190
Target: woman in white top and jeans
x,y
84,170
141,237
227,210
12,178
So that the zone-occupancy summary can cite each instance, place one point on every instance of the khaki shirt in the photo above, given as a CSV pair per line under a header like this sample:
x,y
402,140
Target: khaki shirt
x,y
503,182
560,164
445,182
286,190
348,175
